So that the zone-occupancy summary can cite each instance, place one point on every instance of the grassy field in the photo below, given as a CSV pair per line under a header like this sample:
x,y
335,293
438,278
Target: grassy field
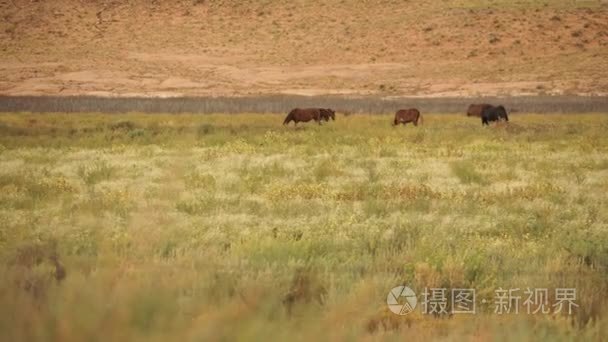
x,y
232,227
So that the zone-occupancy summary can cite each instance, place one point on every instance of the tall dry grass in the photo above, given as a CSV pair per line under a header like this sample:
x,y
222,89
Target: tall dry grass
x,y
233,227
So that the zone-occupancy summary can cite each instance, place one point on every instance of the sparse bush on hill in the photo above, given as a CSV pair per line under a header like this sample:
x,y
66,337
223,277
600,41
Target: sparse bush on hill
x,y
194,48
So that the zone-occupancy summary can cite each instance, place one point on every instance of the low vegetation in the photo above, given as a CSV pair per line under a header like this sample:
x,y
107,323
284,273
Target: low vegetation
x,y
232,227
278,104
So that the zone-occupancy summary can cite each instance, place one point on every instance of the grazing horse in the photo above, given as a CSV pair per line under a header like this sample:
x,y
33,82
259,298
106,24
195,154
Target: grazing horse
x,y
303,115
407,115
477,109
493,114
327,113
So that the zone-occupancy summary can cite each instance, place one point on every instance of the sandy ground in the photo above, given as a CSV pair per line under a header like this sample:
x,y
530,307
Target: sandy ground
x,y
146,49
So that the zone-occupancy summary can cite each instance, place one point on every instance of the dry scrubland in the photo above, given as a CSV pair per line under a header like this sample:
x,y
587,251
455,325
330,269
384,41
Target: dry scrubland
x,y
227,47
184,227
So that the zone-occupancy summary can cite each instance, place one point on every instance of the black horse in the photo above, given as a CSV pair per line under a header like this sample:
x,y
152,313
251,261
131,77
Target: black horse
x,y
493,114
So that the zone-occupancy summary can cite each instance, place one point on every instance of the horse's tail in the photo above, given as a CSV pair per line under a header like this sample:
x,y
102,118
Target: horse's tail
x,y
420,118
289,117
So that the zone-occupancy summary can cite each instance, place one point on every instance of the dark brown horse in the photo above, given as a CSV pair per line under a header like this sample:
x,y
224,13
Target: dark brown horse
x,y
477,109
492,113
303,115
403,116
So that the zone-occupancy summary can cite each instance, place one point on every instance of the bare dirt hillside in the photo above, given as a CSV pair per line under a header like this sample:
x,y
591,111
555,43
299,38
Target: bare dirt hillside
x,y
233,47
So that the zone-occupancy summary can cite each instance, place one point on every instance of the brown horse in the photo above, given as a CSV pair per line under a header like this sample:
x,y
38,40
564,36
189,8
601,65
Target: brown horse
x,y
477,109
303,115
407,115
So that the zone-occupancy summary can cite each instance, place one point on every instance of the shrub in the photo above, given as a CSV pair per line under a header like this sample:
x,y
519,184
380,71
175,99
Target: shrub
x,y
122,125
96,172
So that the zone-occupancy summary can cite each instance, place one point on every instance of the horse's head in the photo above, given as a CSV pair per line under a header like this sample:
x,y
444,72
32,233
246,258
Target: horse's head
x,y
502,113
